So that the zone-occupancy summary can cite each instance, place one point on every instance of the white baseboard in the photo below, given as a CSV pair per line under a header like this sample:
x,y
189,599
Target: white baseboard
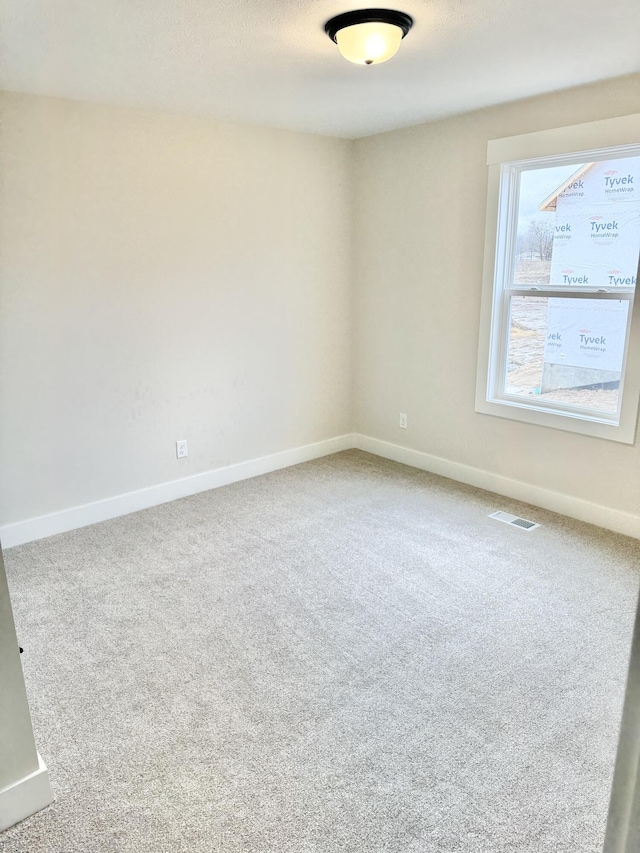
x,y
25,797
80,516
612,519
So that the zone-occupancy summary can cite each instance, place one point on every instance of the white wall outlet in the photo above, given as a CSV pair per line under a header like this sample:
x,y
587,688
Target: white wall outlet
x,y
181,449
403,421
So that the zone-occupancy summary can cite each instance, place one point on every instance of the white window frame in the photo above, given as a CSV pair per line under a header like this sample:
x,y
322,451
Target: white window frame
x,y
579,143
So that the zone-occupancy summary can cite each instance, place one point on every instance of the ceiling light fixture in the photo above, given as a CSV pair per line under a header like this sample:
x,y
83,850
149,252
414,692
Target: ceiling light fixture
x,y
368,36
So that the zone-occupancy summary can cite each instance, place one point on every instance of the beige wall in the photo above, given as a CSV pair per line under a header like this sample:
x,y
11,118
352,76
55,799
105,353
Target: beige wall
x,y
168,277
164,277
420,220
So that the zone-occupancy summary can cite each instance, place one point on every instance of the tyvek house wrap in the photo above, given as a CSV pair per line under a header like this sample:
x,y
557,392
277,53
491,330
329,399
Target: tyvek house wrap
x,y
596,243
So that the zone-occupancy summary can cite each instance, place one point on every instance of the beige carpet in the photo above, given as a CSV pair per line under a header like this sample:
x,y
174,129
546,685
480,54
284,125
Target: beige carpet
x,y
347,655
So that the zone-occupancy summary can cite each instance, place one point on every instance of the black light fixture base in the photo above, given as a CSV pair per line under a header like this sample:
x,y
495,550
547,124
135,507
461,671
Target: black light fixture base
x,y
367,16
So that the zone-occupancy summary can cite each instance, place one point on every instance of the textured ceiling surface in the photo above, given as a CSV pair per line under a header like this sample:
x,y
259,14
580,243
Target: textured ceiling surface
x,y
269,61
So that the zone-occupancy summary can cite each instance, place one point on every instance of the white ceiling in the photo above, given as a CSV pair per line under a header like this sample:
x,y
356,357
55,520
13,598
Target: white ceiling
x,y
269,61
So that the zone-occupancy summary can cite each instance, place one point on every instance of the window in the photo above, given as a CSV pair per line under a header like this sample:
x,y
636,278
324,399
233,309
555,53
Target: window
x,y
558,345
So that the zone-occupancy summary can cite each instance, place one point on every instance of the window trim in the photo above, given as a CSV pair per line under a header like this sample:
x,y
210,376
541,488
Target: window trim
x,y
565,141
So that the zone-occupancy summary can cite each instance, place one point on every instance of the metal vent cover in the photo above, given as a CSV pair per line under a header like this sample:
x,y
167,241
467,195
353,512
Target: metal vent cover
x,y
514,520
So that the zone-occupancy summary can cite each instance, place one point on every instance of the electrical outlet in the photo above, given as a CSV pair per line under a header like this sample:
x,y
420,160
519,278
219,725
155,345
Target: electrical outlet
x,y
403,421
181,449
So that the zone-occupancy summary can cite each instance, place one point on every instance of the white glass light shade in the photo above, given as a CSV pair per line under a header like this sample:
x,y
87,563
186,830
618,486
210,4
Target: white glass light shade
x,y
370,43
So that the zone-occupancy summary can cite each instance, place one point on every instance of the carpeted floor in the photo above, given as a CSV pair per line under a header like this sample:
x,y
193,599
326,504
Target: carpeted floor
x,y
347,655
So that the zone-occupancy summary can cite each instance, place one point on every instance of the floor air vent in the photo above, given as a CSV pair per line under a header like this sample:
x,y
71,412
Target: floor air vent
x,y
522,523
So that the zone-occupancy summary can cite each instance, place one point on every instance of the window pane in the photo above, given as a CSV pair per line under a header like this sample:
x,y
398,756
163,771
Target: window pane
x,y
579,225
568,351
